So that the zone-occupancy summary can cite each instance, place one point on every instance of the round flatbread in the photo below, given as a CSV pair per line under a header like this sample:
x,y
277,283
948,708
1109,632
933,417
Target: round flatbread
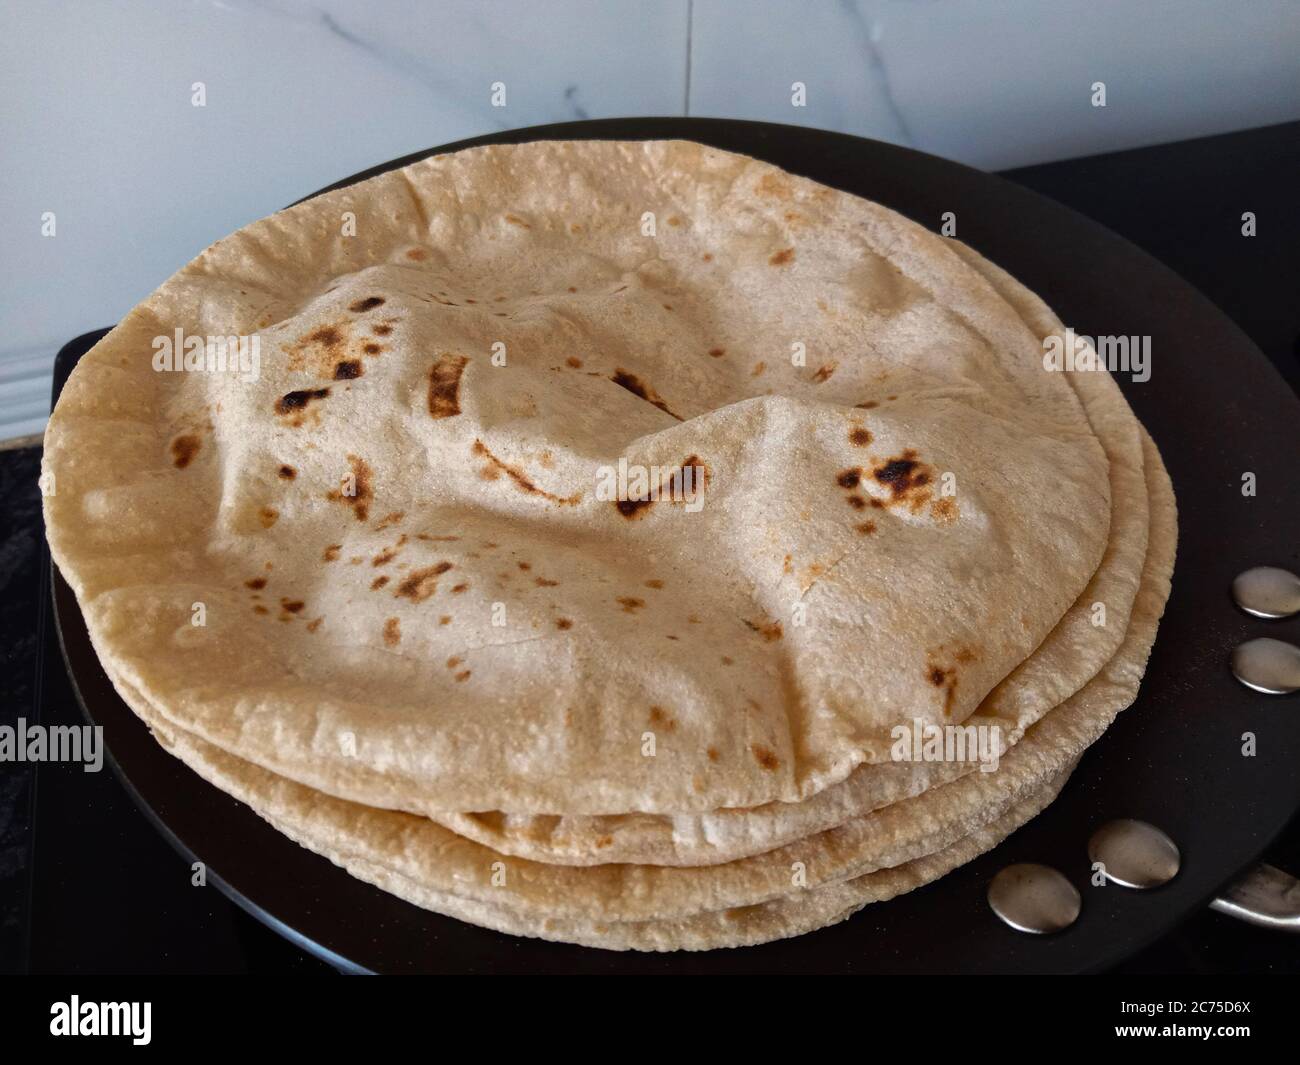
x,y
413,591
423,852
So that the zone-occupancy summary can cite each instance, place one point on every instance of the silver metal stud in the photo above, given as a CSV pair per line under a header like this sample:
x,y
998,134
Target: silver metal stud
x,y
1268,666
1134,854
1034,898
1267,592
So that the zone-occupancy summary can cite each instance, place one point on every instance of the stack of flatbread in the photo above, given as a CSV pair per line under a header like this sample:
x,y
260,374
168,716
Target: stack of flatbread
x,y
599,530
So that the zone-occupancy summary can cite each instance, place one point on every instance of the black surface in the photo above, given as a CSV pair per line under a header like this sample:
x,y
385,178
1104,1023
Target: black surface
x,y
1183,203
21,573
1211,404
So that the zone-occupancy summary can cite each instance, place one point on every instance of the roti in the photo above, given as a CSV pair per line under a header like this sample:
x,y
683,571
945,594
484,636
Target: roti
x,y
419,850
413,594
580,524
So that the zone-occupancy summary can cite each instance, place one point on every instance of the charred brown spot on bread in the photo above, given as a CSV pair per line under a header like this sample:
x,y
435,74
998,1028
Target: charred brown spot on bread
x,y
515,220
259,609
331,552
765,757
563,624
767,628
314,624
639,388
464,676
654,583
459,589
707,257
904,476
727,660
866,528
417,255
348,370
542,582
849,478
293,402
659,717
758,370
292,606
630,603
712,752
782,257
496,466
381,330
184,448
444,385
392,518
318,351
268,516
573,362
944,676
717,353
372,348
378,582
361,490
392,632
859,437
632,508
256,583
604,841
823,373
384,557
693,471
445,619
325,336
419,584
367,304
857,502
287,473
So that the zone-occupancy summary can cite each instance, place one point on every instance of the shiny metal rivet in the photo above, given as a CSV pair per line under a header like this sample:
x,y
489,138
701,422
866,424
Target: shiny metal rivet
x,y
1034,898
1268,666
1267,592
1134,854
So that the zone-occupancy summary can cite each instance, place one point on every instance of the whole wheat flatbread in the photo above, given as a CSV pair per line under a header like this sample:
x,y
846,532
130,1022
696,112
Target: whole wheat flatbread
x,y
416,602
1071,655
803,911
423,852
380,441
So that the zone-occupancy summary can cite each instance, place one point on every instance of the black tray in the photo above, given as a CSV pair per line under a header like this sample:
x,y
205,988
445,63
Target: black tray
x,y
1216,408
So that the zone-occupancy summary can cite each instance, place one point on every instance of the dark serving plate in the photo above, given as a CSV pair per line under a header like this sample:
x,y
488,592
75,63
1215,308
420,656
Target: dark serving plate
x,y
1216,408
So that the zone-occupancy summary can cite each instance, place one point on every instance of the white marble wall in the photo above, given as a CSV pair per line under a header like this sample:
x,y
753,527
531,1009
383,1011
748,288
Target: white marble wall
x,y
97,124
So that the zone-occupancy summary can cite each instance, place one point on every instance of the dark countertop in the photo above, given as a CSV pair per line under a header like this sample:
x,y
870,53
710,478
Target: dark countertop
x,y
88,886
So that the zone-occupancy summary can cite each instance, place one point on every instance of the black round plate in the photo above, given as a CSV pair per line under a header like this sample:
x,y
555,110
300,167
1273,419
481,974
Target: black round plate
x,y
1217,409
